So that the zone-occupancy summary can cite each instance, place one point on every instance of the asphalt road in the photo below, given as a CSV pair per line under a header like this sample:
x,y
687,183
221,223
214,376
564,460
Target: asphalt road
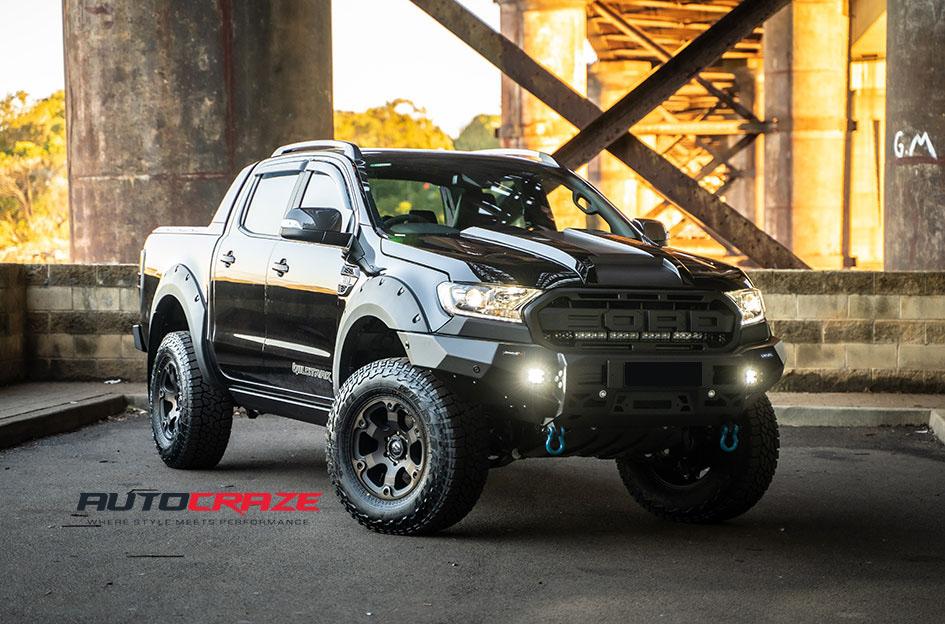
x,y
852,529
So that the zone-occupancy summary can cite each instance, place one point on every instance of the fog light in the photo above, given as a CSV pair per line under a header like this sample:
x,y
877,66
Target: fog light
x,y
751,376
535,376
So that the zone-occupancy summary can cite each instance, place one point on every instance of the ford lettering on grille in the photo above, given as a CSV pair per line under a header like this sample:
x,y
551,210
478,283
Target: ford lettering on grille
x,y
589,318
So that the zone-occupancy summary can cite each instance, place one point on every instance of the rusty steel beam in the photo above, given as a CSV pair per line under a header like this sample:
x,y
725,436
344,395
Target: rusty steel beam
x,y
722,157
718,127
675,5
707,210
621,24
625,54
719,157
660,84
670,24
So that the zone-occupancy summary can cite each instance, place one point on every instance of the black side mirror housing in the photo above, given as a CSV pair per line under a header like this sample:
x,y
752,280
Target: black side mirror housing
x,y
314,225
654,230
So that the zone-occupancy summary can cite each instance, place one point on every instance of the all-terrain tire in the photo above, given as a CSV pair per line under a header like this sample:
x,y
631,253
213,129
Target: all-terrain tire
x,y
734,484
456,450
203,414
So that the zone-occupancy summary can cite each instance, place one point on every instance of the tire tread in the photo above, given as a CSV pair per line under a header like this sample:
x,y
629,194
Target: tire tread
x,y
461,433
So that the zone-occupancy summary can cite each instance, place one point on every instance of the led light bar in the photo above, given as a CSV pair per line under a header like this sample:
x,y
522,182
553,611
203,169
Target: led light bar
x,y
602,335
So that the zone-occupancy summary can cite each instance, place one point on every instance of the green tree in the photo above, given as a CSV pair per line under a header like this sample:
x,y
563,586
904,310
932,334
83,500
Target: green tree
x,y
34,217
399,123
480,133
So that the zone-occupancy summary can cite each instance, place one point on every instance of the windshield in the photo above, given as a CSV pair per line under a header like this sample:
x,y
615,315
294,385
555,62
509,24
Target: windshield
x,y
444,193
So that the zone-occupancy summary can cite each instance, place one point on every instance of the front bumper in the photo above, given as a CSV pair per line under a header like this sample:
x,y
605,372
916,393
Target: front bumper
x,y
597,388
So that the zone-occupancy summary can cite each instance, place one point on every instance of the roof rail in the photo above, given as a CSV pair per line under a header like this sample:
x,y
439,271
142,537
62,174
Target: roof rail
x,y
345,147
522,153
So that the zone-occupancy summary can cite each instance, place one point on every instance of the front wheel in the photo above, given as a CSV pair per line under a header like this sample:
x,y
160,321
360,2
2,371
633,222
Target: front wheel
x,y
404,454
696,481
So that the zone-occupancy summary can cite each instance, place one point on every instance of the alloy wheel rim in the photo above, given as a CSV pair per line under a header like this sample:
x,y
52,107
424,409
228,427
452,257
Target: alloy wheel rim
x,y
168,400
388,448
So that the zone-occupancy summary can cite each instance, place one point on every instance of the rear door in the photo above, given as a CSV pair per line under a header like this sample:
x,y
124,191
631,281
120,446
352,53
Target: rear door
x,y
241,267
303,307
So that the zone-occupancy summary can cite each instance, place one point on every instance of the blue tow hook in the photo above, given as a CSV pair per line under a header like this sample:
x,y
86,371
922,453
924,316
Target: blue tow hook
x,y
553,433
729,447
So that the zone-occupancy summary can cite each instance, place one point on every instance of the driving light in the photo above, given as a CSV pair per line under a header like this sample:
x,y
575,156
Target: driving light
x,y
502,303
535,376
749,304
751,376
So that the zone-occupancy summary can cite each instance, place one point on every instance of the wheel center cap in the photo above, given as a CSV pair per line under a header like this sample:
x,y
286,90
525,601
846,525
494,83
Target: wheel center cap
x,y
396,447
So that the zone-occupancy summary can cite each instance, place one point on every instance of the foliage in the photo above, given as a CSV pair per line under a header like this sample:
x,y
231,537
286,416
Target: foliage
x,y
480,133
34,216
399,123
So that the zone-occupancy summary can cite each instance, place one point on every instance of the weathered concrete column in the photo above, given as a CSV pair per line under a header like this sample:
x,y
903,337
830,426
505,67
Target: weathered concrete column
x,y
167,100
607,82
553,32
806,60
914,237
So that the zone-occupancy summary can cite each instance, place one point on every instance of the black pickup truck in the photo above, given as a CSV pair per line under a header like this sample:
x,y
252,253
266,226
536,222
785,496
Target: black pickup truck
x,y
444,313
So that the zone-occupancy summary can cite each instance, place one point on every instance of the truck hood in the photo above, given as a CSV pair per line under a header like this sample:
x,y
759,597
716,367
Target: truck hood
x,y
575,257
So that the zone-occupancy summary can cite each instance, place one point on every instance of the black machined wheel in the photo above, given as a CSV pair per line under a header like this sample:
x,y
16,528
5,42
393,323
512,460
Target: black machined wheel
x,y
167,400
191,417
696,481
388,447
404,454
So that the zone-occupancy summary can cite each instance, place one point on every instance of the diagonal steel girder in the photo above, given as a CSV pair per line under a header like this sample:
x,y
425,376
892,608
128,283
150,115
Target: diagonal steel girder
x,y
613,17
709,211
662,83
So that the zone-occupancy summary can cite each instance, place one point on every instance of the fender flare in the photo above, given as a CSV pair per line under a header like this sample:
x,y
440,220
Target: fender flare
x,y
390,301
180,283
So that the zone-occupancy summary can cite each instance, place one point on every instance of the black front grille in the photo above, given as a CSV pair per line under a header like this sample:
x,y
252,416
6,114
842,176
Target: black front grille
x,y
634,320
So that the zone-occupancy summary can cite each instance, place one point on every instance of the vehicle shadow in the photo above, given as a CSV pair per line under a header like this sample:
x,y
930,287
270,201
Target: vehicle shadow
x,y
581,504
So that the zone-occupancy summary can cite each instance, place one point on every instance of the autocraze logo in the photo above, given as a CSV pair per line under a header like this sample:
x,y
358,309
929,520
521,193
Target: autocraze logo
x,y
203,502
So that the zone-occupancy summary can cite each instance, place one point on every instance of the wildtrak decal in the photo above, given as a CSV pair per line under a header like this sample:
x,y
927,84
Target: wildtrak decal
x,y
311,371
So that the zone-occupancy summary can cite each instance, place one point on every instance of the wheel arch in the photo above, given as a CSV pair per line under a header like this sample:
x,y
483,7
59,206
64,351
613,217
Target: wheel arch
x,y
179,304
380,308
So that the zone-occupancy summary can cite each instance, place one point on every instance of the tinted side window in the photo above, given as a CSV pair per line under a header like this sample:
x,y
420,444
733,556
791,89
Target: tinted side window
x,y
269,203
324,191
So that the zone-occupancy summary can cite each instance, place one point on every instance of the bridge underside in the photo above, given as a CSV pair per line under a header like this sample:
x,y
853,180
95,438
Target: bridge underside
x,y
768,132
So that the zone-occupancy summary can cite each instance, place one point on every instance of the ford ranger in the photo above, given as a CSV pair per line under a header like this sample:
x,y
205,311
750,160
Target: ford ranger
x,y
444,313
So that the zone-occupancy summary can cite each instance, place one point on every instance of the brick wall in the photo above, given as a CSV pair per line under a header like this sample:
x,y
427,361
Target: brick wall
x,y
845,331
78,322
856,331
12,324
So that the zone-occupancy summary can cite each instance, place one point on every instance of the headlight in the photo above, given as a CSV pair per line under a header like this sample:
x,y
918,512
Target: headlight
x,y
750,304
503,303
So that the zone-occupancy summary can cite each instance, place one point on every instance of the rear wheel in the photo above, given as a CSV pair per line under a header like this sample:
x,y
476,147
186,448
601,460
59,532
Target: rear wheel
x,y
696,481
404,454
191,418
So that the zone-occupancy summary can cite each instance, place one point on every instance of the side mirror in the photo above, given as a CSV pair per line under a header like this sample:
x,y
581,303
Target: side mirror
x,y
314,225
654,230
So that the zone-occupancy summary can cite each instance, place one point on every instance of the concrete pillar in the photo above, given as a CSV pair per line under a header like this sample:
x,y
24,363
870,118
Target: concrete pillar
x,y
165,101
914,237
806,60
607,82
553,32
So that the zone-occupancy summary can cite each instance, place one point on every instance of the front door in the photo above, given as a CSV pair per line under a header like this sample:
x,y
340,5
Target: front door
x,y
239,273
303,307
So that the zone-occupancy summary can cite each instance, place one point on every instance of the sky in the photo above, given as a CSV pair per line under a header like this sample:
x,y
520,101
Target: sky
x,y
383,49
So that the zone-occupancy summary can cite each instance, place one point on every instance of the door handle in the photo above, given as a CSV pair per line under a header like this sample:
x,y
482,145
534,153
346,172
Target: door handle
x,y
281,268
228,258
